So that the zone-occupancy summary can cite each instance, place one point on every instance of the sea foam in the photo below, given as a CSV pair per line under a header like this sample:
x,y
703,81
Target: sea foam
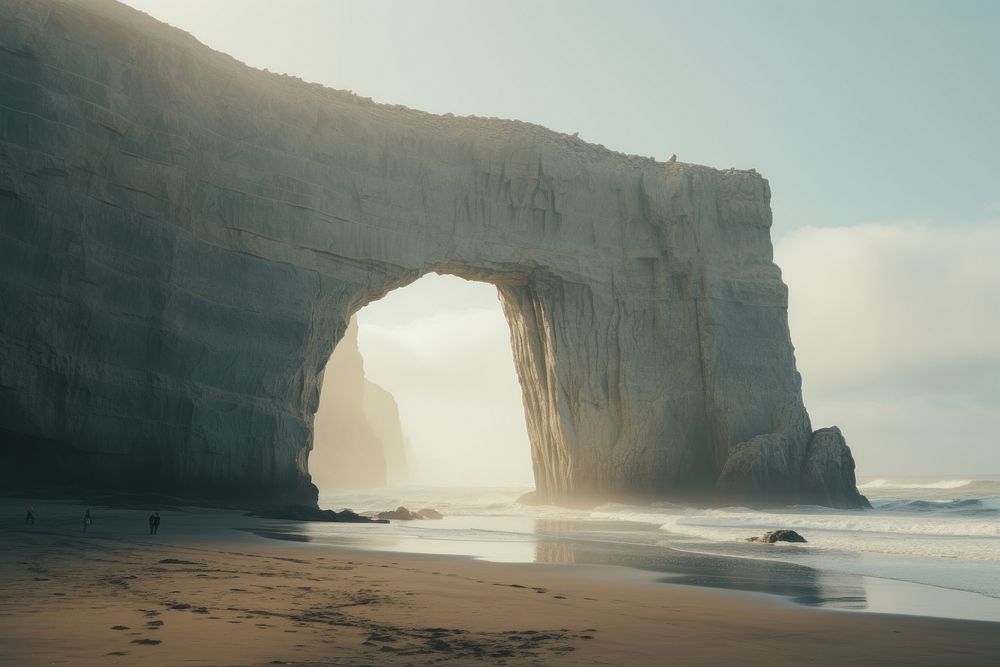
x,y
942,484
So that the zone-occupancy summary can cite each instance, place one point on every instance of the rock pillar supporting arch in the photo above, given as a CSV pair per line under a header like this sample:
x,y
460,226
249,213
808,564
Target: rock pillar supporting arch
x,y
185,239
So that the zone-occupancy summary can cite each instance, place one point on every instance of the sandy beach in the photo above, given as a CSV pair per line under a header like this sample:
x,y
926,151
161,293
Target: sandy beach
x,y
209,590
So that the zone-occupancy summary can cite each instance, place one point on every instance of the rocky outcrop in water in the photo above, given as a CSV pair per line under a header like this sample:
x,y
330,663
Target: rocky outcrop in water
x,y
310,513
185,240
403,514
773,536
828,473
770,469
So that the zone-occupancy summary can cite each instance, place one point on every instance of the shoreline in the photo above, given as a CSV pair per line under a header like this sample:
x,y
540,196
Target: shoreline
x,y
204,591
809,574
907,598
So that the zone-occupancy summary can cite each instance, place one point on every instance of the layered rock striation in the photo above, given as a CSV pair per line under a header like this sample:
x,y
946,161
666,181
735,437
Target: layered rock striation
x,y
185,239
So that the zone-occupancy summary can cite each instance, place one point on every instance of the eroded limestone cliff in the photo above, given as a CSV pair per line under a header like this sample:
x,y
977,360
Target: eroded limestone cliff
x,y
185,240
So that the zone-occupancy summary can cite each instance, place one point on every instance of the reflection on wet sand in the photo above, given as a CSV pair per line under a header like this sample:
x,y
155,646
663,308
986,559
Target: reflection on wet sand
x,y
596,543
804,585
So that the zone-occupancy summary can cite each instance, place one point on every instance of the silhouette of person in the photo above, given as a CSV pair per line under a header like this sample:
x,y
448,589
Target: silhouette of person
x,y
156,524
30,516
152,523
86,520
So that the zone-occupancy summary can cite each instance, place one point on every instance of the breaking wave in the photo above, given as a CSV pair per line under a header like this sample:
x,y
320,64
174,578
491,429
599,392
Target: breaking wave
x,y
941,484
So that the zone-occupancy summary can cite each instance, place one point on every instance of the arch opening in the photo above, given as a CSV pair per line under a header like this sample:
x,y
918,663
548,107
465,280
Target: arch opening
x,y
422,391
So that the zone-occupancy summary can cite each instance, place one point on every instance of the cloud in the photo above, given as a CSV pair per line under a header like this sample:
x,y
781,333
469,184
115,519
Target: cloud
x,y
897,335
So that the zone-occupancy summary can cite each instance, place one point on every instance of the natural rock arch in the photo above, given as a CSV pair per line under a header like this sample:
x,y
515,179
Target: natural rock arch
x,y
188,238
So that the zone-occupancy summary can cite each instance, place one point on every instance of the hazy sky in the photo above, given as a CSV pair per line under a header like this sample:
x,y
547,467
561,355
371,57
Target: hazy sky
x,y
442,347
875,122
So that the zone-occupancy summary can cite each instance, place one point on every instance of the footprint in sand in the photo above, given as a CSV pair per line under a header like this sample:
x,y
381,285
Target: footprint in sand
x,y
117,653
119,627
147,642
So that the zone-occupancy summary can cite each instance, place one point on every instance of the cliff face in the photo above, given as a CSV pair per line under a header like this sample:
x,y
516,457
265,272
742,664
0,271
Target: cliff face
x,y
185,240
383,414
347,451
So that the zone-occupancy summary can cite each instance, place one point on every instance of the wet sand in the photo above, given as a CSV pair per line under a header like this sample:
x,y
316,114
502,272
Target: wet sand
x,y
208,591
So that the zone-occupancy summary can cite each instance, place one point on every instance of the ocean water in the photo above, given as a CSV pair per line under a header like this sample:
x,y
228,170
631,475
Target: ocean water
x,y
929,546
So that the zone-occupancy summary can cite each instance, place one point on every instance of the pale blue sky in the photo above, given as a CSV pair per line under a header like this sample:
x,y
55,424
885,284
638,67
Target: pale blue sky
x,y
875,122
855,111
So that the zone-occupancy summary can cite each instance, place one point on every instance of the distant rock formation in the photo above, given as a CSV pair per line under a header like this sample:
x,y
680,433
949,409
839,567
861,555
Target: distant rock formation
x,y
347,450
185,239
383,415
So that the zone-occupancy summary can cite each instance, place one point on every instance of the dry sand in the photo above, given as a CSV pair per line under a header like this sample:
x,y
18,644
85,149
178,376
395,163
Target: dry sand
x,y
216,594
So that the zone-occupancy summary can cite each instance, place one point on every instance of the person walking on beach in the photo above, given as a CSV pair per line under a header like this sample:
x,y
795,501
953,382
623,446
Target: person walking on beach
x,y
152,523
30,516
86,520
156,524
